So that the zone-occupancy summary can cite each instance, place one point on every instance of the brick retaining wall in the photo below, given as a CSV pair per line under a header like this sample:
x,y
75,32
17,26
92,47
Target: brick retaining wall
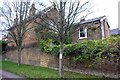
x,y
33,56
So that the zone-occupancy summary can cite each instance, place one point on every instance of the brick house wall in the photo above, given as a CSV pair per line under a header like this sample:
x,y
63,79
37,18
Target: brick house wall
x,y
107,29
30,36
102,31
93,34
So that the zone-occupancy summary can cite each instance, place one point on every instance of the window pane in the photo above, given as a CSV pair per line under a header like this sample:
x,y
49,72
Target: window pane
x,y
82,35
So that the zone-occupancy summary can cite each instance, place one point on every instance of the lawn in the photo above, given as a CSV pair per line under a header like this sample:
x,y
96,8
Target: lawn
x,y
29,71
0,65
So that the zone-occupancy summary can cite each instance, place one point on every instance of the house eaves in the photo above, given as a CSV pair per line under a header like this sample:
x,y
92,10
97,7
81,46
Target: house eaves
x,y
92,20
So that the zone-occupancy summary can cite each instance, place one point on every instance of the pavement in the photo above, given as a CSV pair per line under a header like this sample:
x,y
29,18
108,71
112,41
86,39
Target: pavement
x,y
5,75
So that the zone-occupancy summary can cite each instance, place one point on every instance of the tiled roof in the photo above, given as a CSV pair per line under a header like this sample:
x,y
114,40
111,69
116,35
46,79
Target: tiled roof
x,y
92,20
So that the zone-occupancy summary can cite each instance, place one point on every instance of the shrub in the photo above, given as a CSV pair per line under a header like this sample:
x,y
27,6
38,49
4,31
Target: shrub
x,y
54,50
88,50
3,45
45,45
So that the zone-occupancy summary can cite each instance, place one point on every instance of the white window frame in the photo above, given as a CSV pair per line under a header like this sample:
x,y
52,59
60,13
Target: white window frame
x,y
85,30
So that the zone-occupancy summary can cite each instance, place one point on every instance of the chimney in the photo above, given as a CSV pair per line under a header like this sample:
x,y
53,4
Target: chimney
x,y
32,10
16,20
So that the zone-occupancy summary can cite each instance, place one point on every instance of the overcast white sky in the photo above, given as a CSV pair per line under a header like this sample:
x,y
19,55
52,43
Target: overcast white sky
x,y
104,7
108,8
100,8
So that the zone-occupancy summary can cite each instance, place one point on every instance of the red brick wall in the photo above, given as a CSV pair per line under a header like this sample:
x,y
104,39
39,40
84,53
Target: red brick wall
x,y
91,34
30,36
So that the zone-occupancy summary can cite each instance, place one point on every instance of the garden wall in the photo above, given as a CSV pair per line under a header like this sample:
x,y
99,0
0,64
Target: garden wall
x,y
33,56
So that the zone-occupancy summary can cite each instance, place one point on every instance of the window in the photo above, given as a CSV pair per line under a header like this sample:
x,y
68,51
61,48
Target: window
x,y
82,32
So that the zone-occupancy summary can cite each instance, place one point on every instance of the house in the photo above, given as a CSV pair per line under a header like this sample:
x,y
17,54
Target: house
x,y
30,36
115,31
92,29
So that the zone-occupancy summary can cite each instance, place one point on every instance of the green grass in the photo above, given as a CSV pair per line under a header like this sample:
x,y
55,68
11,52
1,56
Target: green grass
x,y
0,64
29,71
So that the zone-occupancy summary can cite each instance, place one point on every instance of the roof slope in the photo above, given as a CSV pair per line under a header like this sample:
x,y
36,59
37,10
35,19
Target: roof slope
x,y
44,11
92,20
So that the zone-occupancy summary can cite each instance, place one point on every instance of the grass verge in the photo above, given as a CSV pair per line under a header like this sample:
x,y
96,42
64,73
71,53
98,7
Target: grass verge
x,y
29,71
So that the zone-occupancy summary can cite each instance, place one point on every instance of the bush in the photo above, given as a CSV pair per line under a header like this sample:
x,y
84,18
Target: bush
x,y
45,45
54,50
3,45
87,50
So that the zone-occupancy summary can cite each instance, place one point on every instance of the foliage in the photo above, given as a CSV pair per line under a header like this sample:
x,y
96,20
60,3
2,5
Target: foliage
x,y
54,50
45,45
3,45
89,50
29,71
115,35
68,40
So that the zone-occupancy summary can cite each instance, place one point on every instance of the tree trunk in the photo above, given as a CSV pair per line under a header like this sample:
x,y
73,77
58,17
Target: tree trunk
x,y
19,56
60,59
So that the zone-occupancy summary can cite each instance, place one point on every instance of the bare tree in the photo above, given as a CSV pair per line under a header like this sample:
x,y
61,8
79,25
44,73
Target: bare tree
x,y
62,21
16,28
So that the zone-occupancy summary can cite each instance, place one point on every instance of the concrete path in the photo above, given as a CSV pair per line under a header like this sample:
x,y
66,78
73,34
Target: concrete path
x,y
6,74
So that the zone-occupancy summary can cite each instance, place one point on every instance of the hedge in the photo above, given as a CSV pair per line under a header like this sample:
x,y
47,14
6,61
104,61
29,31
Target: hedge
x,y
3,45
87,50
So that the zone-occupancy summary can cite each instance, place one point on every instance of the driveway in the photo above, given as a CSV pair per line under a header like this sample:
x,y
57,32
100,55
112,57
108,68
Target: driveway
x,y
5,75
